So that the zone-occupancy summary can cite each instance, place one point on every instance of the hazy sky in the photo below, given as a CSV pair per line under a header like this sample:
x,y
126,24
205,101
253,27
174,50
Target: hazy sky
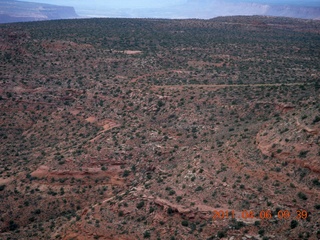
x,y
114,3
177,8
164,3
285,2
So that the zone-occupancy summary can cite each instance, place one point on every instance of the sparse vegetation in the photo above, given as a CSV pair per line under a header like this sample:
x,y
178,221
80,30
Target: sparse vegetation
x,y
116,128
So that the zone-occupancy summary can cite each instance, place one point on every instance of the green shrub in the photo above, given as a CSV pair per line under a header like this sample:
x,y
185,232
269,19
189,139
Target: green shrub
x,y
178,198
140,205
146,234
302,196
303,154
221,234
293,224
316,182
261,232
316,119
185,223
126,173
171,192
13,226
170,211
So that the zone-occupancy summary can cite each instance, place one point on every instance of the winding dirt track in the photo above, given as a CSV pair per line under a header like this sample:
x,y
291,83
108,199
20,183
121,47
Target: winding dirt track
x,y
231,85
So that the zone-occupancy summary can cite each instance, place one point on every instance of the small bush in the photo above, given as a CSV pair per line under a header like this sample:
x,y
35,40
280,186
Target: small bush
x,y
171,192
221,234
261,232
316,182
293,224
185,223
170,211
239,224
13,226
303,154
317,206
302,196
146,234
140,205
316,119
126,173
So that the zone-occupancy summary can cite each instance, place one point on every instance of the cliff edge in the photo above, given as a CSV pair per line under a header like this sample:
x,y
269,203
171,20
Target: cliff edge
x,y
16,11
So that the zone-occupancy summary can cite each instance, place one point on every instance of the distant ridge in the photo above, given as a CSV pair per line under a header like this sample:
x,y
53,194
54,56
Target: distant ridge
x,y
294,11
17,11
205,9
209,9
20,11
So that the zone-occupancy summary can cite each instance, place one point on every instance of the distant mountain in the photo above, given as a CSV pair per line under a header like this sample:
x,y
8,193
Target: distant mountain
x,y
209,9
17,11
203,9
294,11
14,11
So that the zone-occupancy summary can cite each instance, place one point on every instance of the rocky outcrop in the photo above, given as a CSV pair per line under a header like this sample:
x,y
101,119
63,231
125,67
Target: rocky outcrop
x,y
16,11
291,140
